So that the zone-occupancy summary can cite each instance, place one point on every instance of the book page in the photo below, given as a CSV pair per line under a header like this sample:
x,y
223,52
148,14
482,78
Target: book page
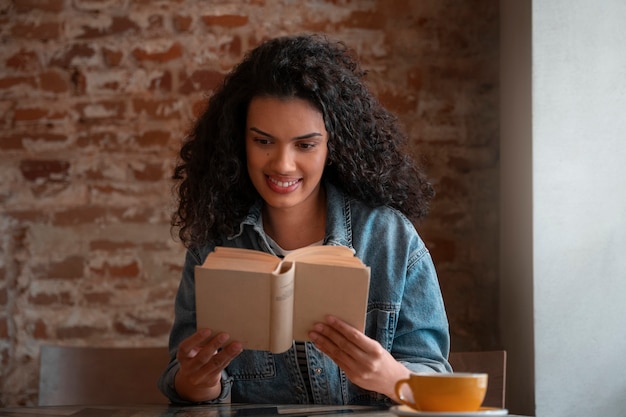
x,y
321,252
321,290
241,259
227,252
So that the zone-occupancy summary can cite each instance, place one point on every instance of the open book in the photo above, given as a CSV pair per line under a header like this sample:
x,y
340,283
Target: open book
x,y
266,302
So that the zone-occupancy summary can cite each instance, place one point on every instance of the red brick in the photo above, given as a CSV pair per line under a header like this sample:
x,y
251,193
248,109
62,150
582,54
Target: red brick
x,y
4,328
4,298
112,57
79,215
479,158
159,328
182,23
161,293
226,20
150,3
101,110
42,31
110,245
200,81
149,327
54,82
451,186
163,82
198,107
72,267
73,55
98,297
127,270
120,25
94,5
174,51
29,114
79,81
158,138
48,299
26,61
79,332
122,328
320,26
397,102
149,172
451,217
415,79
232,48
7,83
155,22
155,246
40,330
44,137
28,216
158,109
139,215
25,6
4,360
106,189
442,250
49,169
365,20
104,140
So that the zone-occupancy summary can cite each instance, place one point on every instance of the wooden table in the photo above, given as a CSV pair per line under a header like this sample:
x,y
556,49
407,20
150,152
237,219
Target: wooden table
x,y
220,410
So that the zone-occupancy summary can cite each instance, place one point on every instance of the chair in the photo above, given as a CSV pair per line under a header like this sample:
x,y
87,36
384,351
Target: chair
x,y
72,375
492,363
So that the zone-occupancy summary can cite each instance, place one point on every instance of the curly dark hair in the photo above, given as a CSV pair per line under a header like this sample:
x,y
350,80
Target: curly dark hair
x,y
367,154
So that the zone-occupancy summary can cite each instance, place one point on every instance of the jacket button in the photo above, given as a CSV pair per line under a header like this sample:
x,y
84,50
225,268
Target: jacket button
x,y
318,371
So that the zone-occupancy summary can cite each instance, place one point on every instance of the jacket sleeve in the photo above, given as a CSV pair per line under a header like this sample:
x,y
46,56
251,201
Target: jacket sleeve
x,y
183,327
422,338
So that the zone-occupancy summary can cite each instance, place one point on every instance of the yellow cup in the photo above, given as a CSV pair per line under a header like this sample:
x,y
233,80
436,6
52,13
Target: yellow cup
x,y
457,391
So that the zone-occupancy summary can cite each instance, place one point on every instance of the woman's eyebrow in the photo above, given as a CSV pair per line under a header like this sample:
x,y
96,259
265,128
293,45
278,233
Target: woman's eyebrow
x,y
305,136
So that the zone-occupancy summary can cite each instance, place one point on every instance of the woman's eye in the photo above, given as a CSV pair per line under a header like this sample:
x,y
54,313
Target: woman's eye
x,y
262,141
306,146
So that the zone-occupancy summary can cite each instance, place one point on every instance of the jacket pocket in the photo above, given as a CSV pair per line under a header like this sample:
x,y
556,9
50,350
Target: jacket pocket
x,y
380,323
252,365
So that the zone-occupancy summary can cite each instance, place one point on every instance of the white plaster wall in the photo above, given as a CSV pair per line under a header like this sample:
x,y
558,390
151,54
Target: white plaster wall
x,y
579,207
563,252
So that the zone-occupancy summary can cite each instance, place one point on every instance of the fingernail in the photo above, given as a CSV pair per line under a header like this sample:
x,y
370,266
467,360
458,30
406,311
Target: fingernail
x,y
236,347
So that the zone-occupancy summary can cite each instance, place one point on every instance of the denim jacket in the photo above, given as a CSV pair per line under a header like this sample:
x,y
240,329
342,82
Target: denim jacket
x,y
405,312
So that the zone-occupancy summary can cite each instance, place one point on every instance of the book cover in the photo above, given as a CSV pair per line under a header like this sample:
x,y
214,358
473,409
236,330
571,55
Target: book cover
x,y
266,302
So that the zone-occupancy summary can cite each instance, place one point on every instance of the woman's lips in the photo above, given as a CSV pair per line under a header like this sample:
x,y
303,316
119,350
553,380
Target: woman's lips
x,y
283,186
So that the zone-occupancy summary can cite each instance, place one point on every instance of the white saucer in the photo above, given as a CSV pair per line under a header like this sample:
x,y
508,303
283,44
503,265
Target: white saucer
x,y
405,410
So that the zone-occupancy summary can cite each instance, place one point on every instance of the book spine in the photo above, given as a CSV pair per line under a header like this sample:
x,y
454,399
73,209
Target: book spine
x,y
281,310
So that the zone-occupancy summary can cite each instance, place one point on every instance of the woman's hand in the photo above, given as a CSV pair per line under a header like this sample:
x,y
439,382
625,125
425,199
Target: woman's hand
x,y
364,360
202,358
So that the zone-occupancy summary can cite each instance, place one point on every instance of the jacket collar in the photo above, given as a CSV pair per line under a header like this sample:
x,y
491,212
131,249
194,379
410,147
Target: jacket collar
x,y
338,218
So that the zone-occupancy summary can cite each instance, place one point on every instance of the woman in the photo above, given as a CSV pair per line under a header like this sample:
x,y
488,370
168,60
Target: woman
x,y
293,150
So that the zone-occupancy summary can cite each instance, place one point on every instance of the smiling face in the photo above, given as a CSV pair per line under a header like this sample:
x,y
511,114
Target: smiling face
x,y
286,149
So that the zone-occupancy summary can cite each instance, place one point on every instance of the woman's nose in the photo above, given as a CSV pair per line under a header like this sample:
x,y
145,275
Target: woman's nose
x,y
283,160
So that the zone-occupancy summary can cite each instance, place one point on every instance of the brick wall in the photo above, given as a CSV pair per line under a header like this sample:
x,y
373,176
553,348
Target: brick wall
x,y
96,96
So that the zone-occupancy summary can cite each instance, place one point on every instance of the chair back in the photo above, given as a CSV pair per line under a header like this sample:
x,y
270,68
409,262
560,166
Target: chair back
x,y
493,363
73,375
